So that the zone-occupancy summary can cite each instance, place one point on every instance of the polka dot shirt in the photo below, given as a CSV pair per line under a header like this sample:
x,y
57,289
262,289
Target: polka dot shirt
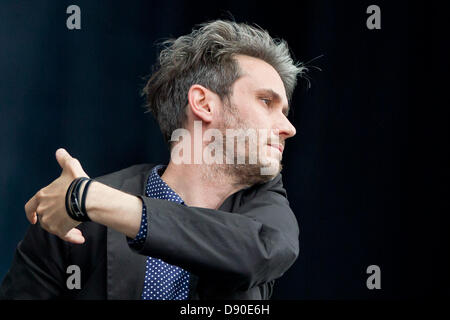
x,y
162,280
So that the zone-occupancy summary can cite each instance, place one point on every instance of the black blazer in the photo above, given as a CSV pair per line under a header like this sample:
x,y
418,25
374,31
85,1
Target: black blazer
x,y
235,252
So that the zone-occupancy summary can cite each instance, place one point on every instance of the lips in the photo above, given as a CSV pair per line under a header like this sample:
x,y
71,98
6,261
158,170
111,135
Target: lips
x,y
277,146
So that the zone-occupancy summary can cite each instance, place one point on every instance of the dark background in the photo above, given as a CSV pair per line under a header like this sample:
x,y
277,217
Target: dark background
x,y
367,173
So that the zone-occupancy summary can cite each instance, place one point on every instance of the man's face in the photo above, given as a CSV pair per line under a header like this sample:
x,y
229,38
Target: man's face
x,y
259,102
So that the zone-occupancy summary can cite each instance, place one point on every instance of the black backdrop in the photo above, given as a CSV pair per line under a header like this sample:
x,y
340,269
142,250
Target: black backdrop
x,y
366,174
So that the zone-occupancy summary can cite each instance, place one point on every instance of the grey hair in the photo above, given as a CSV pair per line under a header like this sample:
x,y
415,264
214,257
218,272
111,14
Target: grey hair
x,y
206,57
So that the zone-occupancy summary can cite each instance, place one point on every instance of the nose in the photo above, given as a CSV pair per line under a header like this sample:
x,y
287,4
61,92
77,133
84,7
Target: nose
x,y
285,127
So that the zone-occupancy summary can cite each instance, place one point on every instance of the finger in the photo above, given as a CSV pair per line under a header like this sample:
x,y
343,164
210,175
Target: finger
x,y
74,236
30,209
34,218
67,162
62,156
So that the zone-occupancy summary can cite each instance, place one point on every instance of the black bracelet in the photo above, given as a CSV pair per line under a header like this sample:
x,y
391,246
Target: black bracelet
x,y
74,202
75,197
75,208
68,193
83,198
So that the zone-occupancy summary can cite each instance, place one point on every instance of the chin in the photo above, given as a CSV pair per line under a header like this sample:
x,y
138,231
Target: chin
x,y
271,168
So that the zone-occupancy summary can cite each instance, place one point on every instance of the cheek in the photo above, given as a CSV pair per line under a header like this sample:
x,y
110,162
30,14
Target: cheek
x,y
257,117
250,113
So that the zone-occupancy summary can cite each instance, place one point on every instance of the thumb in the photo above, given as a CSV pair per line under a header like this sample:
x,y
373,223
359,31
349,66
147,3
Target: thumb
x,y
66,162
74,236
62,156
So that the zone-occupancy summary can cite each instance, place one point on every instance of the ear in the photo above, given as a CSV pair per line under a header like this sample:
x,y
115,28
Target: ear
x,y
202,102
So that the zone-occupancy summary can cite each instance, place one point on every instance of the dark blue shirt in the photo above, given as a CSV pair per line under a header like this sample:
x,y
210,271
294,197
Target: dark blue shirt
x,y
162,280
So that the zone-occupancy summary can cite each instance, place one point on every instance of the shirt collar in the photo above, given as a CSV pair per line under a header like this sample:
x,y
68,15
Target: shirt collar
x,y
157,188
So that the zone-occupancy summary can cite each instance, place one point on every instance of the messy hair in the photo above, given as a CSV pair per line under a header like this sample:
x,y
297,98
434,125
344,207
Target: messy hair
x,y
206,57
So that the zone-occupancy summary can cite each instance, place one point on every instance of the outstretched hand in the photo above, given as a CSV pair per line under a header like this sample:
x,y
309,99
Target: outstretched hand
x,y
49,203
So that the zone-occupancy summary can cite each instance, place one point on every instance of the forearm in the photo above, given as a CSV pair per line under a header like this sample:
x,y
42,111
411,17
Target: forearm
x,y
114,209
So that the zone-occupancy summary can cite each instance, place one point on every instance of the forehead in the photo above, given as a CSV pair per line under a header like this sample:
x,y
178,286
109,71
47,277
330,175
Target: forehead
x,y
258,74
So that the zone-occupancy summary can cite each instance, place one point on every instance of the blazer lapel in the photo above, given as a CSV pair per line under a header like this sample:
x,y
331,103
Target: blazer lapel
x,y
125,268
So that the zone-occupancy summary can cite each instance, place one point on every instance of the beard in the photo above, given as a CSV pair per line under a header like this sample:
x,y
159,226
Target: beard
x,y
247,173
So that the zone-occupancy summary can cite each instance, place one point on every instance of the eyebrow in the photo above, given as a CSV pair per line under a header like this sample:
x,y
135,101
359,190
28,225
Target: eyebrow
x,y
275,96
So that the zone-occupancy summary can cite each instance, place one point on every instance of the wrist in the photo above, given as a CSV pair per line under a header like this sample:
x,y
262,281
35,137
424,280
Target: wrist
x,y
114,208
92,207
75,199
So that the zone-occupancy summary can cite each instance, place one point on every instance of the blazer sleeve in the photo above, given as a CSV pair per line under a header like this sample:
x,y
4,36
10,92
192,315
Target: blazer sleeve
x,y
253,245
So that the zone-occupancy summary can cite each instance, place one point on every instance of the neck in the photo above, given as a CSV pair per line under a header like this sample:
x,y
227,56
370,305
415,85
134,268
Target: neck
x,y
200,185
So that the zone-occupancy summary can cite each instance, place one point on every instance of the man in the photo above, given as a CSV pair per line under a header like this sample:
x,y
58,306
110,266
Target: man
x,y
192,229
